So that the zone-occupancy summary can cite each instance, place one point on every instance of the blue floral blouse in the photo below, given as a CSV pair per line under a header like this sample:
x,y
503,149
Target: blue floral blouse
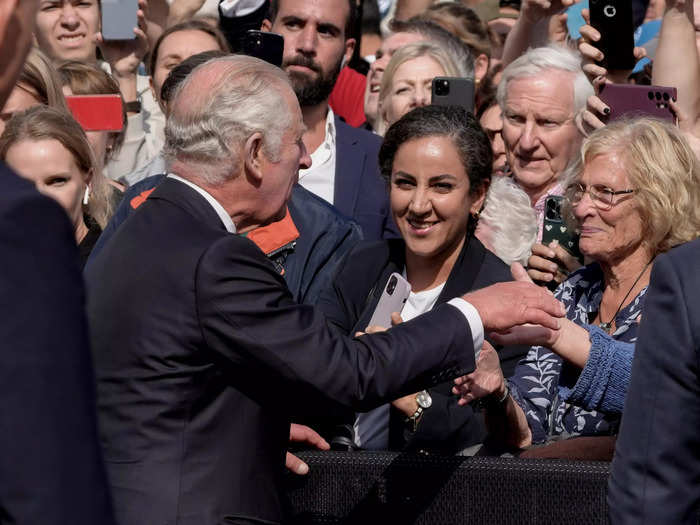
x,y
540,377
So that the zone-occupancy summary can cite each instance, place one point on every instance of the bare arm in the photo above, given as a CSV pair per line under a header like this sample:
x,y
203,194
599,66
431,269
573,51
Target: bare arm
x,y
676,61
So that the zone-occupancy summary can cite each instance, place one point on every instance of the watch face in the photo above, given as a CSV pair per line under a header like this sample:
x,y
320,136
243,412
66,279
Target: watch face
x,y
423,399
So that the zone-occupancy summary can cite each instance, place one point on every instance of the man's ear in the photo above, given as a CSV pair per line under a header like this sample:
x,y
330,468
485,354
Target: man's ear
x,y
7,8
349,49
266,25
253,157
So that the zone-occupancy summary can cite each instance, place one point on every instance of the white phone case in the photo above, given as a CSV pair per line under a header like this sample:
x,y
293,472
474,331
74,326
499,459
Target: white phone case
x,y
393,298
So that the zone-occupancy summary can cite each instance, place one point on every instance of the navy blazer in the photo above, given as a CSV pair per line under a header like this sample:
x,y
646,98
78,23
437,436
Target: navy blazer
x,y
445,427
655,474
360,192
51,469
202,357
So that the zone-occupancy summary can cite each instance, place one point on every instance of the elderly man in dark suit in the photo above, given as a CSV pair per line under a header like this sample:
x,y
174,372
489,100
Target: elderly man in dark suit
x,y
656,469
51,471
202,357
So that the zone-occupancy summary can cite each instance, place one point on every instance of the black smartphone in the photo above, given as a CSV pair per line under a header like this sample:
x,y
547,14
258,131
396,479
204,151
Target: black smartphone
x,y
554,227
453,91
266,46
615,22
119,19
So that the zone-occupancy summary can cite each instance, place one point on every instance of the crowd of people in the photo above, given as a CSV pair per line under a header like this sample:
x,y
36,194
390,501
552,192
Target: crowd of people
x,y
190,291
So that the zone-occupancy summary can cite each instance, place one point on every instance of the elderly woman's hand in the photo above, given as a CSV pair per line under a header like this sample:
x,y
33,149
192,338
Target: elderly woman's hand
x,y
592,55
591,117
550,263
486,380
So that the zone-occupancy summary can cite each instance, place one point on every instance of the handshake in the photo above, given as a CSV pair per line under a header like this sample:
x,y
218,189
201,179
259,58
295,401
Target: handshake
x,y
518,312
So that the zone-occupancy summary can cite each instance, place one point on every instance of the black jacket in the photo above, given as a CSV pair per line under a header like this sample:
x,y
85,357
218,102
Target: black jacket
x,y
202,357
445,427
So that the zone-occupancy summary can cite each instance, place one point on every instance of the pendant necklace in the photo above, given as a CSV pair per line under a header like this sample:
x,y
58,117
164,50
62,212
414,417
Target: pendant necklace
x,y
607,326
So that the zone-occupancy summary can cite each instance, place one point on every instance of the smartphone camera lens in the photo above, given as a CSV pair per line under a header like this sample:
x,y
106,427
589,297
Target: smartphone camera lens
x,y
391,286
666,97
442,87
553,212
650,95
658,96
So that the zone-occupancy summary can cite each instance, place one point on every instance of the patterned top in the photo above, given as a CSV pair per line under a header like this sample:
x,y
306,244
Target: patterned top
x,y
539,379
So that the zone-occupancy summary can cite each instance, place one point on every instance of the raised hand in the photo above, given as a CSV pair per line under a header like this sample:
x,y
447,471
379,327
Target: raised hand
x,y
535,10
546,263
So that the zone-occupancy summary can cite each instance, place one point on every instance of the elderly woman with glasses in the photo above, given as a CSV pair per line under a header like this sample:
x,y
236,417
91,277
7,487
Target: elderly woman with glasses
x,y
634,193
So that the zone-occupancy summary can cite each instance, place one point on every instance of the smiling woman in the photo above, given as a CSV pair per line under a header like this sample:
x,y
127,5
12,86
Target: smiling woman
x,y
437,162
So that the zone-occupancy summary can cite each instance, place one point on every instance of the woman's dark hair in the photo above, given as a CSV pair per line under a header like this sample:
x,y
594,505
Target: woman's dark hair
x,y
190,25
455,122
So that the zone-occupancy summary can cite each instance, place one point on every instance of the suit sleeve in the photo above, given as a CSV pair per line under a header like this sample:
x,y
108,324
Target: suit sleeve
x,y
50,463
285,353
655,474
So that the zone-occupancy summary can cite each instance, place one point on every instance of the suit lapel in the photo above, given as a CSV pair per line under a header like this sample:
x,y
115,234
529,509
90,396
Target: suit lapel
x,y
349,168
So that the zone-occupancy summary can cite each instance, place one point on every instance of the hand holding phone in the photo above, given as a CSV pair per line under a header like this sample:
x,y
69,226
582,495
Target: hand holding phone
x,y
264,45
614,20
392,300
631,100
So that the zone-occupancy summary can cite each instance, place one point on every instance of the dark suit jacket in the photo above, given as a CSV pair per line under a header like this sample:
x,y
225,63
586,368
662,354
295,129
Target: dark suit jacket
x,y
202,357
656,469
51,470
445,427
360,192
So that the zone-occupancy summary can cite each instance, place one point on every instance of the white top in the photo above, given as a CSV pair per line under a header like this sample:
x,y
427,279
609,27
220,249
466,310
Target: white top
x,y
218,208
320,177
420,302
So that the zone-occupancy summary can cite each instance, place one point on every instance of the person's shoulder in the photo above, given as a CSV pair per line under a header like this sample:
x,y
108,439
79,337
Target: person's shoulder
x,y
346,132
19,196
684,257
306,203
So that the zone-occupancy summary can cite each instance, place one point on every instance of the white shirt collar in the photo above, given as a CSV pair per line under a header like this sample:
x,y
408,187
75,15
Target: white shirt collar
x,y
218,208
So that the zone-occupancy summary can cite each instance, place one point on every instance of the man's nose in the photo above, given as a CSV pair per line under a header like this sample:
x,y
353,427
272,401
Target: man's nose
x,y
69,16
307,40
529,138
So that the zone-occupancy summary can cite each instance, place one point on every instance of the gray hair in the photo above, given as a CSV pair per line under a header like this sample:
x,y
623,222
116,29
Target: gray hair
x,y
217,107
510,219
458,51
541,59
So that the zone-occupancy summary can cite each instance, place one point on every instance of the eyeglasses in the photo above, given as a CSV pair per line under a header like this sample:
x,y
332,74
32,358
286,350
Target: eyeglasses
x,y
601,196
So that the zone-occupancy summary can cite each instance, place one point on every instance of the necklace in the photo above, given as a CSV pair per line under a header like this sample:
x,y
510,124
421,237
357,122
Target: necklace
x,y
607,326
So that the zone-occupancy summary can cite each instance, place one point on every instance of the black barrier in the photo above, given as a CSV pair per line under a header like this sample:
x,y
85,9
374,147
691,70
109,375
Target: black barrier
x,y
365,488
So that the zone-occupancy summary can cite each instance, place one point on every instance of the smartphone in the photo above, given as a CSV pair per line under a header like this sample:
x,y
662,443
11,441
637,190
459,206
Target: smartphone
x,y
393,298
266,46
97,112
453,91
614,20
642,101
119,19
554,227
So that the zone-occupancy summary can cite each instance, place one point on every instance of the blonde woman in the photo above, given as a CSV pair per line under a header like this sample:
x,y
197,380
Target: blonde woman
x,y
407,80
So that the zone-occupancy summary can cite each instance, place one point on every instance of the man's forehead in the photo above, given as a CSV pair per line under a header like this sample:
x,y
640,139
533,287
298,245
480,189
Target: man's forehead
x,y
334,12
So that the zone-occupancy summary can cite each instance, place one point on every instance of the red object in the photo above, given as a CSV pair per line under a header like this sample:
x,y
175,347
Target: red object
x,y
348,97
97,112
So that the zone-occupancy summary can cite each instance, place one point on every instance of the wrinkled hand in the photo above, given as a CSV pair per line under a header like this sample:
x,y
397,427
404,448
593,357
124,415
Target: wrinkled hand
x,y
504,305
486,380
592,55
558,30
124,56
533,11
546,263
303,434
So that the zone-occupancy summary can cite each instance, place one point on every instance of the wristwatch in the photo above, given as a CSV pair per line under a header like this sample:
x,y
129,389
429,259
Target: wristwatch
x,y
424,402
